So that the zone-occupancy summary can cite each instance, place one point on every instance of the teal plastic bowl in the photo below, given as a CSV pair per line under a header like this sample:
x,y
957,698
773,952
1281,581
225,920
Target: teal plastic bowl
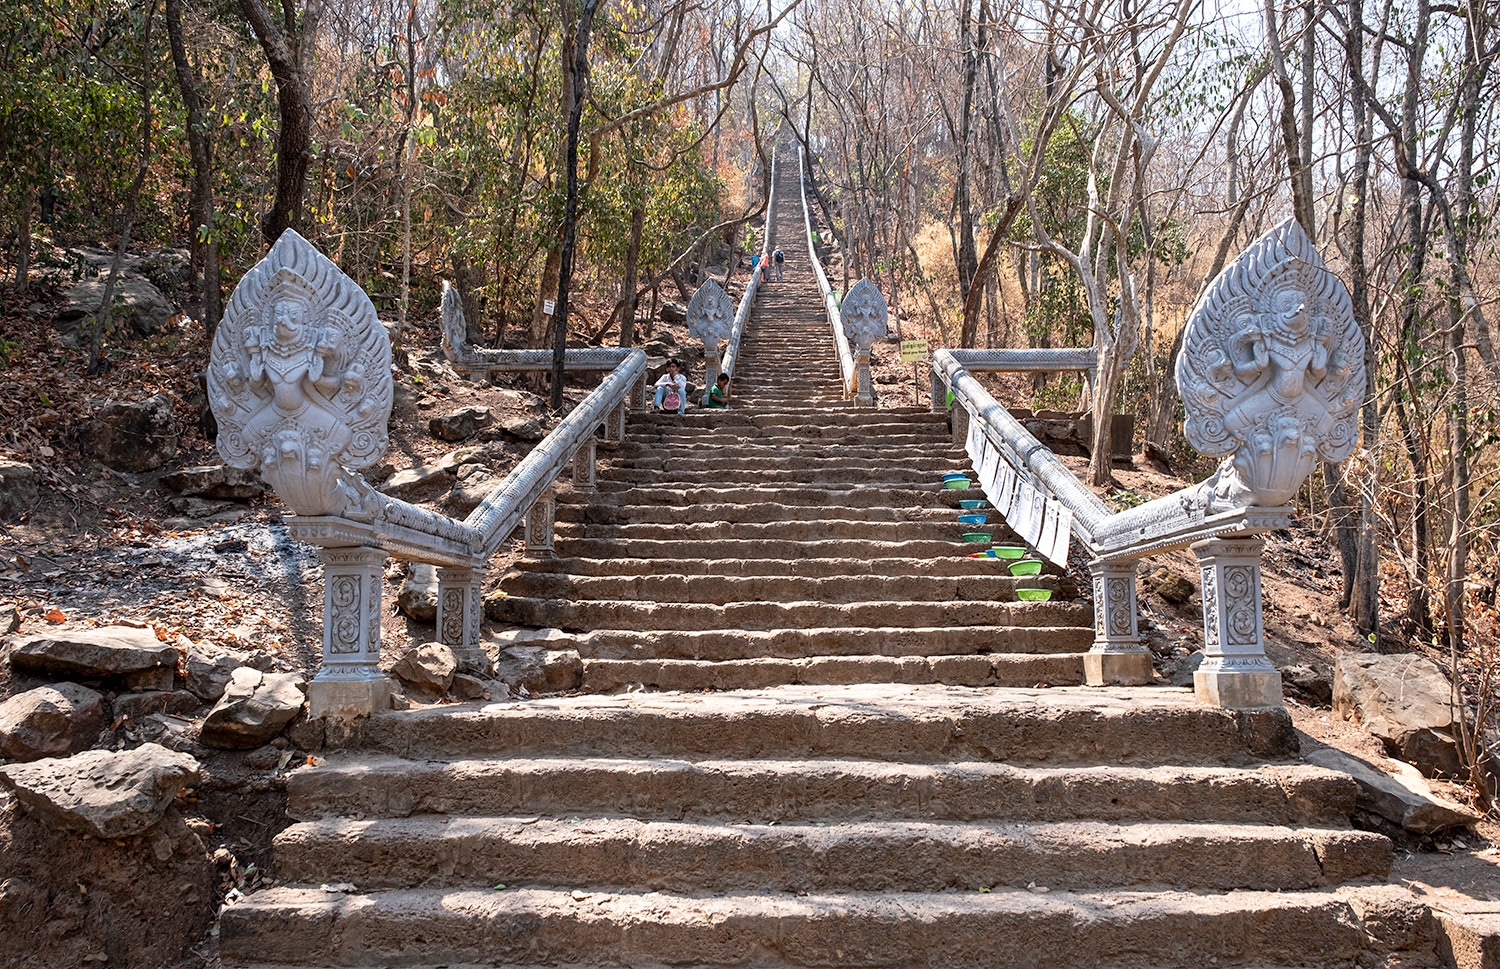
x,y
973,519
1009,551
969,504
1033,595
957,483
980,537
955,474
1026,567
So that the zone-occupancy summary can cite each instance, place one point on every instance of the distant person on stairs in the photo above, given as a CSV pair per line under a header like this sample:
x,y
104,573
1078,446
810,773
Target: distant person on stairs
x,y
671,389
778,257
718,394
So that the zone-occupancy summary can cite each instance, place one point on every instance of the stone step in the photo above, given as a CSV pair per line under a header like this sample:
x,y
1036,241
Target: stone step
x,y
840,496
739,548
632,614
856,856
926,467
921,723
724,589
716,645
700,446
767,511
908,417
811,568
776,437
807,791
852,473
991,670
799,530
1062,930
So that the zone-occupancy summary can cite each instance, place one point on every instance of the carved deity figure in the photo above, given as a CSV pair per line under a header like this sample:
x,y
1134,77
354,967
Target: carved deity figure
x,y
299,379
864,315
1272,370
710,314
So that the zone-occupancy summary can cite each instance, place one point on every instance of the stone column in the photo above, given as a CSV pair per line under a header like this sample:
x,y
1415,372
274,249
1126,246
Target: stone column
x,y
583,466
1235,672
939,394
642,395
539,521
711,366
459,613
350,684
866,395
616,432
958,424
1117,657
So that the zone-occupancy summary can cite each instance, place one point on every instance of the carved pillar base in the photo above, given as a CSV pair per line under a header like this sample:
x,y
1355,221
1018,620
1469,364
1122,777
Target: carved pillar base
x,y
583,466
939,393
539,522
958,426
459,613
1235,672
350,684
616,432
641,395
1117,657
866,395
710,368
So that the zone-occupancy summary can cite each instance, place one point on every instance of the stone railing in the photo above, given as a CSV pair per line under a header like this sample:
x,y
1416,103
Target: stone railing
x,y
1271,373
300,383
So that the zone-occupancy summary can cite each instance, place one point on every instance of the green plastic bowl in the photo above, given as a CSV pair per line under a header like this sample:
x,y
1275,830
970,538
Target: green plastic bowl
x,y
957,483
1033,595
1026,567
973,504
1008,551
979,537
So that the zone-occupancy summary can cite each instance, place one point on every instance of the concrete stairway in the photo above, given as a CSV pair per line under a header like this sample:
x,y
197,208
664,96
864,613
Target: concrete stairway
x,y
840,757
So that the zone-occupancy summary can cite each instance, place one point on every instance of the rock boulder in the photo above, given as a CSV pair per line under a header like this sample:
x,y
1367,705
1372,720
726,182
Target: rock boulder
x,y
50,721
117,653
210,668
461,424
1401,797
418,595
253,710
19,488
217,481
138,304
426,670
1403,700
103,793
132,436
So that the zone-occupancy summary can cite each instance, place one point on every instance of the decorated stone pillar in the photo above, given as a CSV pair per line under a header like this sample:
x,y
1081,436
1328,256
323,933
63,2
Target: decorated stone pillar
x,y
642,395
583,466
350,684
864,315
939,393
1117,657
1235,672
617,417
459,614
710,318
539,525
958,426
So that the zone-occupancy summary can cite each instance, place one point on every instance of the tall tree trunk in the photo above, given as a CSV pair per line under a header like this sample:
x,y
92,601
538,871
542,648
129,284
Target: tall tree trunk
x,y
205,242
289,48
629,292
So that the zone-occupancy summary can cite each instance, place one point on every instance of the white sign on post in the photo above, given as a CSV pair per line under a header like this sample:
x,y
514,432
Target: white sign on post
x,y
548,307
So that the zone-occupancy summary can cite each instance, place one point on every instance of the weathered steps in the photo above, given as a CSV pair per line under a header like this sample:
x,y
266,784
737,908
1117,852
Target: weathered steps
x,y
724,589
989,670
1163,930
810,529
849,495
855,856
769,548
768,511
908,723
717,645
631,614
380,785
813,568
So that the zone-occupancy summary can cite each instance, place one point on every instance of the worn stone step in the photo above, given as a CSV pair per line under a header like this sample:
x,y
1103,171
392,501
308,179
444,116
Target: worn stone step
x,y
990,670
646,548
925,468
913,723
718,645
860,418
1062,930
766,511
800,530
852,473
632,614
939,448
858,856
768,440
722,589
796,568
840,496
380,785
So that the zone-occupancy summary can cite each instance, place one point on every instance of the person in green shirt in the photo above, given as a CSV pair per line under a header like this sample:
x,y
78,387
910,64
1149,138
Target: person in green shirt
x,y
718,394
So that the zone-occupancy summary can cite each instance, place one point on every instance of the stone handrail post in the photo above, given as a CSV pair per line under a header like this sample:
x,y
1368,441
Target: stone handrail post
x,y
540,520
583,466
460,610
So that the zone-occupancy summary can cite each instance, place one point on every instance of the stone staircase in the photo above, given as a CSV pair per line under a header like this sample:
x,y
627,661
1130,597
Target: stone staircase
x,y
814,733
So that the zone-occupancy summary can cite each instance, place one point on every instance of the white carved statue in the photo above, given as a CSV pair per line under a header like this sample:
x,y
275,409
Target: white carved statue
x,y
864,315
299,379
1272,371
455,326
710,314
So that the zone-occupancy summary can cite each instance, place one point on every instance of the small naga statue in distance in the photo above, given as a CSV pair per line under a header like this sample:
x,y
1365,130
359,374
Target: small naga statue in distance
x,y
864,315
1272,371
299,380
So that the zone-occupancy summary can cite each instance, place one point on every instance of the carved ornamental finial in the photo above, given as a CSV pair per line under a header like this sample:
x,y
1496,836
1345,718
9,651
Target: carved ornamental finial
x,y
299,379
864,315
1272,371
710,314
455,327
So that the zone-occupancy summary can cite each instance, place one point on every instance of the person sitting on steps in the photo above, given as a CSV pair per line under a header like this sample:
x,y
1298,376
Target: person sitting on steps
x,y
718,394
671,389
